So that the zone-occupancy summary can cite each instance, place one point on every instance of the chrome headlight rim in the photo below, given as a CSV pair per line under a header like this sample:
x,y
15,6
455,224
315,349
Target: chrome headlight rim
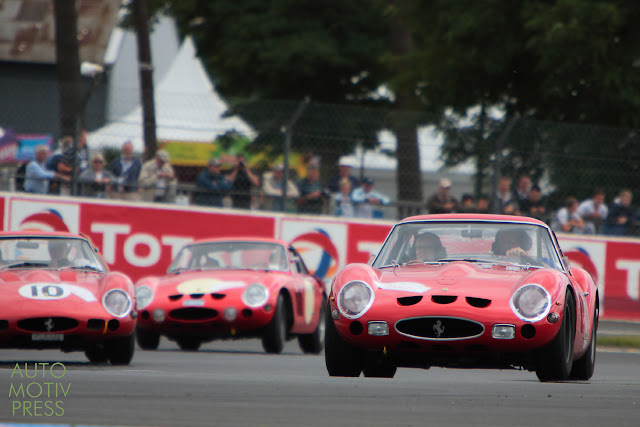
x,y
109,310
530,287
143,301
367,306
249,300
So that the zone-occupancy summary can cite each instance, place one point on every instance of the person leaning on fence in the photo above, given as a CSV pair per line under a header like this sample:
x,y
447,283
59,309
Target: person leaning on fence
x,y
567,219
368,201
37,176
344,172
502,201
157,179
126,171
441,201
342,201
535,205
61,162
273,188
622,216
95,181
593,211
312,198
211,185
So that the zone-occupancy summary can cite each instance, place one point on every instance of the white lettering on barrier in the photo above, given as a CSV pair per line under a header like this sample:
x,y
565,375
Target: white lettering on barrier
x,y
109,232
176,243
142,239
633,276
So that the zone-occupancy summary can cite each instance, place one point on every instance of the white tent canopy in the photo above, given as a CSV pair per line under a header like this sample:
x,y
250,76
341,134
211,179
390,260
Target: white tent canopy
x,y
187,109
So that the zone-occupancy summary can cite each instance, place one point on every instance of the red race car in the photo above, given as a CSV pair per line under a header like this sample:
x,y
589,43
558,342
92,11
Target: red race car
x,y
236,288
464,291
58,293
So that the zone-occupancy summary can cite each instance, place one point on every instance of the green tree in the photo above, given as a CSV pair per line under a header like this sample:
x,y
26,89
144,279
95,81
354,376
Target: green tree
x,y
573,61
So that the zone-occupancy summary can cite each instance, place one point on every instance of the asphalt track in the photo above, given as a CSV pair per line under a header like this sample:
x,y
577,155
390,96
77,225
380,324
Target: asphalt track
x,y
235,384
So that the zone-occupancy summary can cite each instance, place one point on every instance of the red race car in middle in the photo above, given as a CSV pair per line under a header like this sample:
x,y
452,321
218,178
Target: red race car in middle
x,y
233,288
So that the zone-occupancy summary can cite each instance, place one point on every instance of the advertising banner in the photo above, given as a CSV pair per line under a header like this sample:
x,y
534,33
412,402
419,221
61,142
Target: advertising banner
x,y
141,239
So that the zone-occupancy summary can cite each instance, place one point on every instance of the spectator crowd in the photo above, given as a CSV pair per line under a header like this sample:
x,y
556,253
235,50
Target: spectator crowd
x,y
236,185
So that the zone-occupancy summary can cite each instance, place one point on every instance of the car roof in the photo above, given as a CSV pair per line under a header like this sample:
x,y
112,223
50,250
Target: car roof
x,y
475,217
39,233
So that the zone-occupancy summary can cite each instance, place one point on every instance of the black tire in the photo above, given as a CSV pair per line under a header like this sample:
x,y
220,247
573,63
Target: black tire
x,y
341,358
189,343
583,368
147,340
275,334
96,354
378,365
120,350
555,361
314,343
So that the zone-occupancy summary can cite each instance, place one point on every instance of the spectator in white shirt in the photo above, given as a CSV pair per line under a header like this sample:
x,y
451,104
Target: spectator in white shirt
x,y
593,212
368,201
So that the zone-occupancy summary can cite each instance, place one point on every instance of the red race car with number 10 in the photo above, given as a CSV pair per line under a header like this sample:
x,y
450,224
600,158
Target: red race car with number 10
x,y
56,292
466,291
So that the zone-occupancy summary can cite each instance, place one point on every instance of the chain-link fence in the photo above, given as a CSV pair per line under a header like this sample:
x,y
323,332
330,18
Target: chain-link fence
x,y
405,155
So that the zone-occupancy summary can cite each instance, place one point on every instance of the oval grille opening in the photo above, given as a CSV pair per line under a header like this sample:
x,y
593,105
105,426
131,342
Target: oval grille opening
x,y
478,302
439,328
47,324
193,313
405,301
444,299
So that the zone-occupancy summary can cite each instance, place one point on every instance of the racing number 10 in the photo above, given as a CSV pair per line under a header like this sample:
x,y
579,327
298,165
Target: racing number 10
x,y
49,291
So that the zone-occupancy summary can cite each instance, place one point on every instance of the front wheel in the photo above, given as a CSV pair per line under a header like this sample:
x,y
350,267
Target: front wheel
x,y
120,350
583,368
379,365
275,334
555,361
189,343
147,340
314,343
341,358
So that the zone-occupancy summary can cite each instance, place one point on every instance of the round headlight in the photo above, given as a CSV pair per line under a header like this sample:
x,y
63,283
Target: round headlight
x,y
117,302
255,295
354,299
144,296
531,303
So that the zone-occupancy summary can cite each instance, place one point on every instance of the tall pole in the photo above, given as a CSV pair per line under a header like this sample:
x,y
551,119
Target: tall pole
x,y
288,130
145,69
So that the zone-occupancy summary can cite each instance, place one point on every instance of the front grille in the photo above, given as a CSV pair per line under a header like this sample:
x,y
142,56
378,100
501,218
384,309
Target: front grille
x,y
47,324
95,324
439,328
193,313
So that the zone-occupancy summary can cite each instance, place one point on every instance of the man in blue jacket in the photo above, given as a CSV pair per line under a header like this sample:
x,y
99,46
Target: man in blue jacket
x,y
211,185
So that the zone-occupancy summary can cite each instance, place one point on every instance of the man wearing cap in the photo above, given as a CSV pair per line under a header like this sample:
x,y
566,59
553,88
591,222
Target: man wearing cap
x,y
211,185
273,188
157,179
368,201
344,172
312,198
95,181
441,201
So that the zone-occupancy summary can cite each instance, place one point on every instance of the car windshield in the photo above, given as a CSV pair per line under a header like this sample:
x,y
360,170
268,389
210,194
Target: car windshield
x,y
474,241
231,255
48,252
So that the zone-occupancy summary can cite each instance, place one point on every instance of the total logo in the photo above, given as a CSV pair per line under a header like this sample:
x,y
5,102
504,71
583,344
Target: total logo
x,y
322,245
43,215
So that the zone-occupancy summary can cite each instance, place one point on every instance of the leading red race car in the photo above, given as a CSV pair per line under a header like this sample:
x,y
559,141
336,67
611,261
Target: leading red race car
x,y
463,290
233,288
56,292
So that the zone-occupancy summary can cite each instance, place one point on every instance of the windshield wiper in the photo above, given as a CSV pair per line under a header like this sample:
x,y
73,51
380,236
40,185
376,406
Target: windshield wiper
x,y
85,267
26,264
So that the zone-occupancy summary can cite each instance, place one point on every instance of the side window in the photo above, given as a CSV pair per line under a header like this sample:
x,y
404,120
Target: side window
x,y
297,265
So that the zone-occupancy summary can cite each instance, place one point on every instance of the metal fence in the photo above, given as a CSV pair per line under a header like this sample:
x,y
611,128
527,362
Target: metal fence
x,y
563,159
